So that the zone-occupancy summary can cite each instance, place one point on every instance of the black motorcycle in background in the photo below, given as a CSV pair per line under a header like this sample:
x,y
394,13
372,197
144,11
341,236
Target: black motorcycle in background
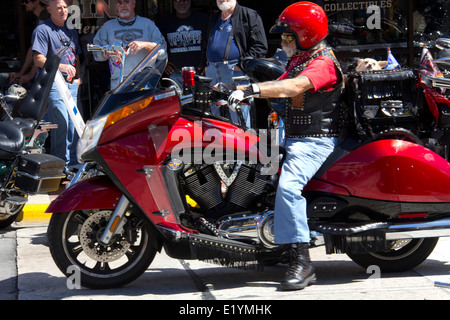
x,y
24,169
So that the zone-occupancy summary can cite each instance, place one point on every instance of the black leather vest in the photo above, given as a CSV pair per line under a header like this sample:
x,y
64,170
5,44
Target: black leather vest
x,y
314,114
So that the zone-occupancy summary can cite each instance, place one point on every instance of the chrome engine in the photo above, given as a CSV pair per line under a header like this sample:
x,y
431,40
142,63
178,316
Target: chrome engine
x,y
257,228
234,200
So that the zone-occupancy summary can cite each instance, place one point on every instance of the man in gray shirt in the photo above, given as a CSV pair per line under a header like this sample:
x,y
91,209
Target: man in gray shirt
x,y
138,34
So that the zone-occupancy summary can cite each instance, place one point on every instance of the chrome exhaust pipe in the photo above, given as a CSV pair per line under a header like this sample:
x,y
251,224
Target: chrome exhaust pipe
x,y
428,229
249,226
256,228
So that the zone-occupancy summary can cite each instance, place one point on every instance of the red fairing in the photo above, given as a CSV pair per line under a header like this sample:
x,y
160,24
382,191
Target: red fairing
x,y
128,155
392,170
195,133
163,110
96,193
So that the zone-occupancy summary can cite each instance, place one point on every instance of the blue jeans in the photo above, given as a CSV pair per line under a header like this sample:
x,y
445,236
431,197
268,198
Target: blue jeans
x,y
304,158
63,140
221,72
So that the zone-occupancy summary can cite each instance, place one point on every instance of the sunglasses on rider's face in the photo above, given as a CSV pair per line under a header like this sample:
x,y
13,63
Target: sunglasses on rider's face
x,y
288,38
121,2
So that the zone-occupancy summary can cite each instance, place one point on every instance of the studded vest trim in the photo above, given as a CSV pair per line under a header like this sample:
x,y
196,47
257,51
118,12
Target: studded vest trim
x,y
314,114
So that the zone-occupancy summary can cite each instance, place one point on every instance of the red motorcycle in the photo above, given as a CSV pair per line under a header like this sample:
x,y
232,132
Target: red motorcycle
x,y
173,175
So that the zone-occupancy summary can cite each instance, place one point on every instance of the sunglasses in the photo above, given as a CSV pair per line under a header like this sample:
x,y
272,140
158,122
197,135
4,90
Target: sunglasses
x,y
288,38
121,2
26,1
177,1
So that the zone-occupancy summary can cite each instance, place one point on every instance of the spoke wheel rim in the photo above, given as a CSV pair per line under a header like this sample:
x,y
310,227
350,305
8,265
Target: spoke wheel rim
x,y
104,265
400,250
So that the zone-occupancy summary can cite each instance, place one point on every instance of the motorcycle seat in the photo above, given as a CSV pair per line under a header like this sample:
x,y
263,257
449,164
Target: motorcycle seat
x,y
25,125
11,141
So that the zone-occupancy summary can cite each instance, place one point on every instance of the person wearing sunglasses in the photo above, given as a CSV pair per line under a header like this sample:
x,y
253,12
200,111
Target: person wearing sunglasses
x,y
312,85
137,34
48,38
184,30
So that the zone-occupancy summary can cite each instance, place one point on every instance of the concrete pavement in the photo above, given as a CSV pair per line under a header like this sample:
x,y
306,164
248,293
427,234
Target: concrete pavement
x,y
27,271
33,275
8,268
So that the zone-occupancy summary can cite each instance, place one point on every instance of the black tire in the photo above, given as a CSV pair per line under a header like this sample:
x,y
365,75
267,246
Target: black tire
x,y
67,251
403,258
6,221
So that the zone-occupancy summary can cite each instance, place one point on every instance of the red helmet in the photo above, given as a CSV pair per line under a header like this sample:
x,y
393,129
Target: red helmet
x,y
308,21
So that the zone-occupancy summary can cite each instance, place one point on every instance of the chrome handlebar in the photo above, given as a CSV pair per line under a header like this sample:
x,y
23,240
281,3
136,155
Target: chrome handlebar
x,y
107,48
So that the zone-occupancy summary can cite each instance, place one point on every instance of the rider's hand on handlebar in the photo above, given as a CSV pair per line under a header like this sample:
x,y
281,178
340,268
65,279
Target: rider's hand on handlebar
x,y
239,95
224,87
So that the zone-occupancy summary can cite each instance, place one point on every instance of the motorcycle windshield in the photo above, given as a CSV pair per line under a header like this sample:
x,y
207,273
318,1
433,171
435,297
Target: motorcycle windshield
x,y
142,81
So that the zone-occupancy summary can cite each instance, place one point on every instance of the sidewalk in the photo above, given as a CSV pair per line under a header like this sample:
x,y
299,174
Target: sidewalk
x,y
339,278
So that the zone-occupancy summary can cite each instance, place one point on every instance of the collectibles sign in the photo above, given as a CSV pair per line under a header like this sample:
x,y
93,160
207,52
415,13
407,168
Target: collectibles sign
x,y
372,9
334,5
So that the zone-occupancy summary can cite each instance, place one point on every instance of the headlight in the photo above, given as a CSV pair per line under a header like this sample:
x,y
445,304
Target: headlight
x,y
91,134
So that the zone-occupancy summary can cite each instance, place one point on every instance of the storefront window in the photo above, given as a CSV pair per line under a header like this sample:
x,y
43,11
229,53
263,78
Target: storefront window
x,y
365,25
431,20
9,40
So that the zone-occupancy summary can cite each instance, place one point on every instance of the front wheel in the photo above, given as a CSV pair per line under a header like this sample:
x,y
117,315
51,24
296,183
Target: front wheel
x,y
404,255
74,241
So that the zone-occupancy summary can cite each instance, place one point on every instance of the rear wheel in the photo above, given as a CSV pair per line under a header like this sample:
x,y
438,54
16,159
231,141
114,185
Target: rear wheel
x,y
7,220
404,255
74,241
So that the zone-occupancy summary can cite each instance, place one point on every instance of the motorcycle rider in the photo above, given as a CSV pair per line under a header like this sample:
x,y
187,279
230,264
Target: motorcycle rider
x,y
312,85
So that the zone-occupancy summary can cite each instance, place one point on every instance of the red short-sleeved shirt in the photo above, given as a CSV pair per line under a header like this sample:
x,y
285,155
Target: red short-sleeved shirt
x,y
323,74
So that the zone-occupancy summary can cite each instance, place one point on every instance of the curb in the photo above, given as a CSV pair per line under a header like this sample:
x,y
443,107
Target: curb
x,y
34,213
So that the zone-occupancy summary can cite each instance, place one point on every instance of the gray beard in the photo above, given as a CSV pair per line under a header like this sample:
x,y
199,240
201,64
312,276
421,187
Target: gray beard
x,y
289,51
225,6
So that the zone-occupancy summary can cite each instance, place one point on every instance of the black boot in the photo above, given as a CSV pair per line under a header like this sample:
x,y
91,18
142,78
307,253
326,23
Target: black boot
x,y
300,272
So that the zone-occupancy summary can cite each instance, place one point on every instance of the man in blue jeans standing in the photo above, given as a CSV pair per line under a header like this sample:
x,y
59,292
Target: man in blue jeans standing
x,y
234,33
48,39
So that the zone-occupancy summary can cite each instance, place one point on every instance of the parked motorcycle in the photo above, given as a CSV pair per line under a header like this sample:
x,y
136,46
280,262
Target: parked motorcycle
x,y
24,169
34,137
179,178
